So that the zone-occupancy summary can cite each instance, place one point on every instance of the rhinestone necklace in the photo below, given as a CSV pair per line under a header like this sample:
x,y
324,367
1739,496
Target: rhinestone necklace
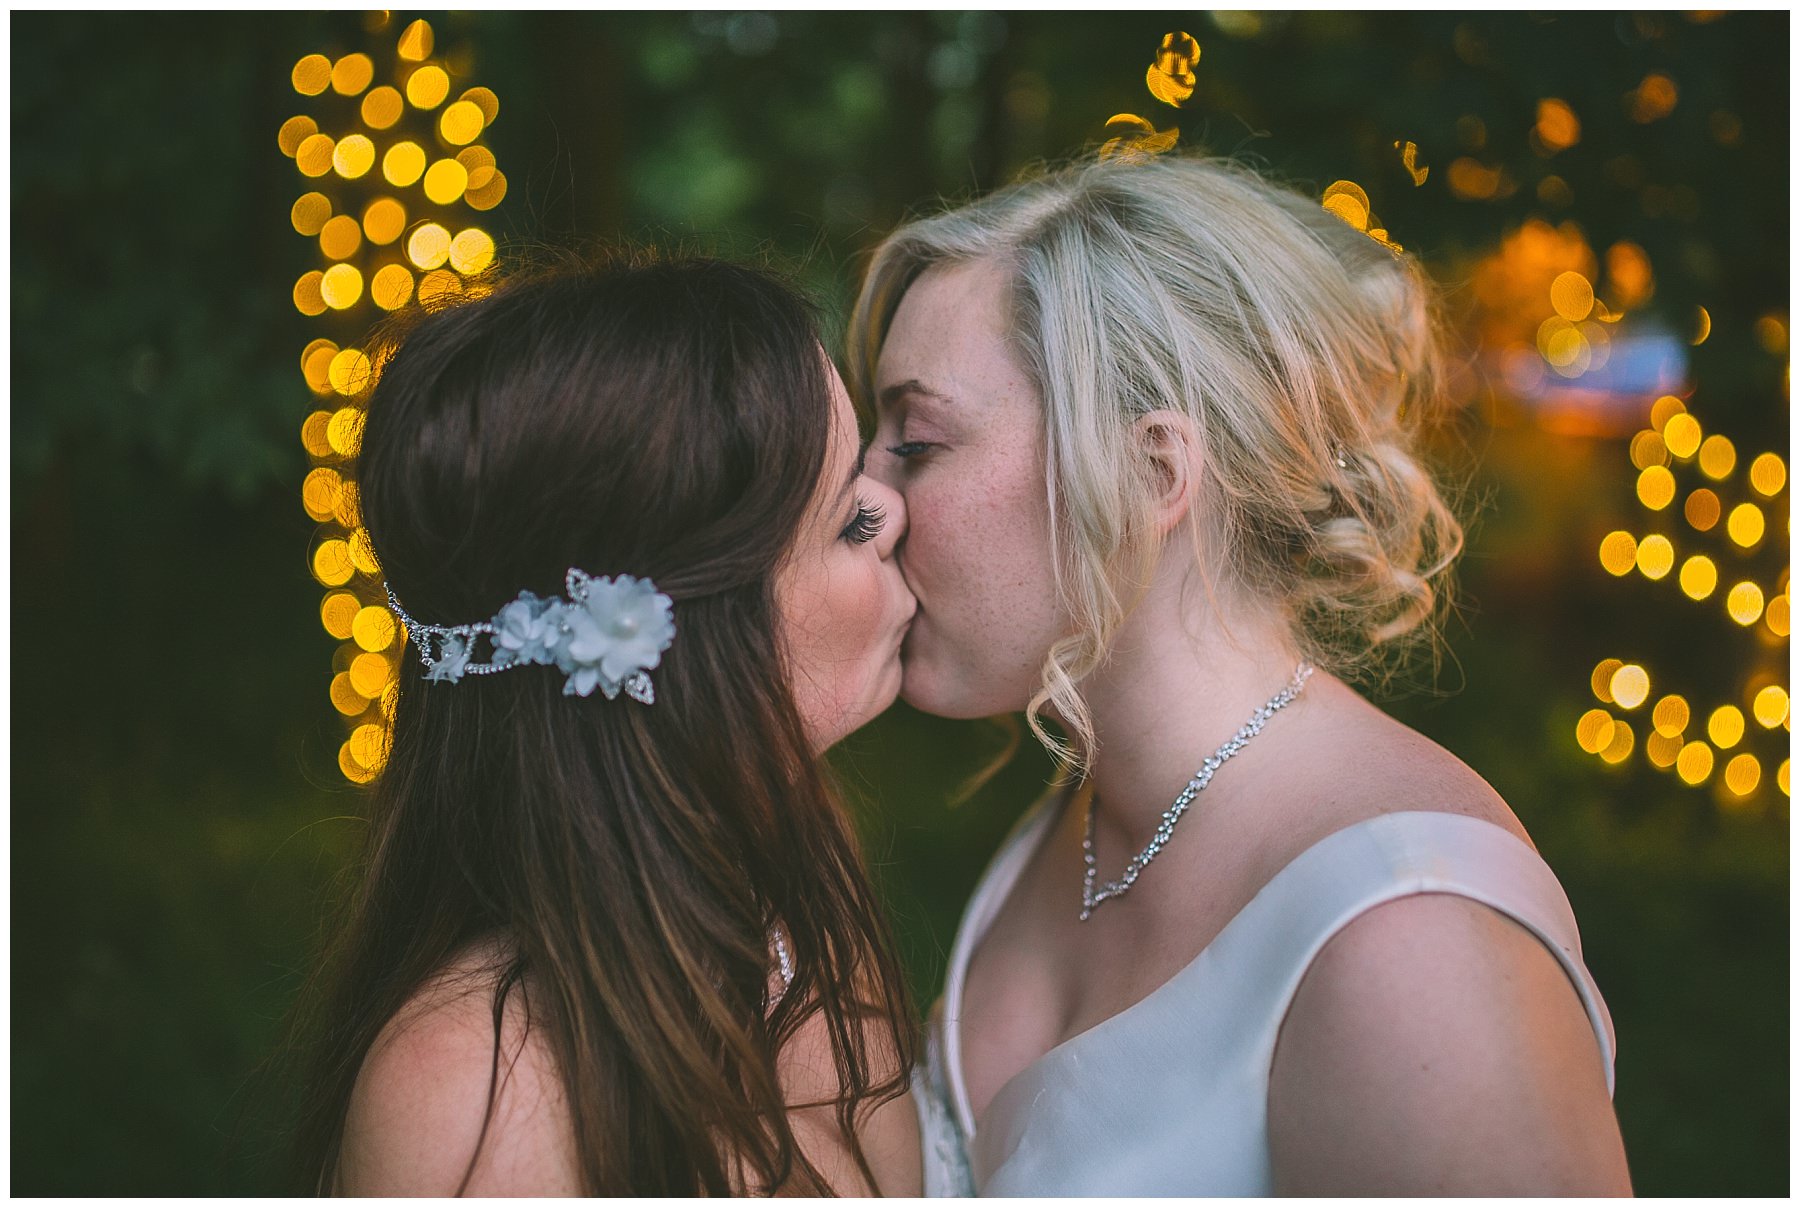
x,y
1090,899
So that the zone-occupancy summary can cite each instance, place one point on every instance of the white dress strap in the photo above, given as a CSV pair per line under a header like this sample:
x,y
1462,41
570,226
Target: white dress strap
x,y
1417,851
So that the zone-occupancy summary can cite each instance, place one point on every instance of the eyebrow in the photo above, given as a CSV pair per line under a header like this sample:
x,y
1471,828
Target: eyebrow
x,y
893,394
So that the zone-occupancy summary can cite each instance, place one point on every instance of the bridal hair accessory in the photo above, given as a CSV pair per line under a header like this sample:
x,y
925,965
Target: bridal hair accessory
x,y
607,634
1090,898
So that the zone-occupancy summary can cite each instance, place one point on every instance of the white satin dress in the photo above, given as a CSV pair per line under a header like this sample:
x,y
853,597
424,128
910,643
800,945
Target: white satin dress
x,y
1170,1096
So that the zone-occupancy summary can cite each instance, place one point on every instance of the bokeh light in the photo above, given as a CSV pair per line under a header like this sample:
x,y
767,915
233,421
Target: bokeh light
x,y
1702,510
1601,680
1781,777
1745,524
344,696
1725,727
384,220
369,746
479,162
320,489
1694,763
331,563
427,87
1670,715
1618,748
341,286
1647,449
317,368
403,164
312,434
1699,577
1618,552
351,74
354,156
1557,126
1776,616
392,287
461,123
1655,556
338,613
1745,603
382,107
1664,409
369,674
471,251
374,628
344,432
1662,749
1771,333
428,246
309,298
416,42
1656,488
310,213
486,101
439,285
1743,774
353,771
313,156
1770,706
1682,435
311,75
1717,457
293,132
445,181
489,195
340,238
351,372
1768,474
1572,295
1594,732
1630,685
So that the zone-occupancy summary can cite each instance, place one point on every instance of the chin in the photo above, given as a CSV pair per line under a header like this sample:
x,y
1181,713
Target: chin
x,y
930,694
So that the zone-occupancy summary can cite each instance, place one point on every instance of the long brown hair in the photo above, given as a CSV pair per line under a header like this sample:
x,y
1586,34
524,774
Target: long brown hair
x,y
664,418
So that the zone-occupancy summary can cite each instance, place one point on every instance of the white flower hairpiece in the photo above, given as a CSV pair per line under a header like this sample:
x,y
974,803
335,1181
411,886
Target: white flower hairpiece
x,y
606,635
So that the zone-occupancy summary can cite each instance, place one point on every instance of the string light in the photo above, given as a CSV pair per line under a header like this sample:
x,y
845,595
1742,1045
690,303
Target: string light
x,y
391,170
1675,443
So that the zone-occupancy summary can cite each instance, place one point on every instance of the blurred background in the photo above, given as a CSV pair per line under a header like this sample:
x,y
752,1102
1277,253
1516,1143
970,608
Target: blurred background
x,y
1604,198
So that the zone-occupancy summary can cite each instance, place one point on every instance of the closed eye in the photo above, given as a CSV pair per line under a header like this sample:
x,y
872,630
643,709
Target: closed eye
x,y
909,448
866,525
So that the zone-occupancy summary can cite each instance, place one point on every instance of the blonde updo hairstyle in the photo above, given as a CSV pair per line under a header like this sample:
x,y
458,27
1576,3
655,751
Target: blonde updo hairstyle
x,y
1305,354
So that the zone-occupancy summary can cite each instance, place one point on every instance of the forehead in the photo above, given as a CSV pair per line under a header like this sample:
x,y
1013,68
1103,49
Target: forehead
x,y
949,314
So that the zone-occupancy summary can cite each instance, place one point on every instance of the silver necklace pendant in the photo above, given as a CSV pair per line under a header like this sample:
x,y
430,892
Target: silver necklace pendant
x,y
1090,897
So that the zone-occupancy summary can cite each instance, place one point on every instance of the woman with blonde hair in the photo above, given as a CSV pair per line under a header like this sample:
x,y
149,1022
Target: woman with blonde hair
x,y
1156,424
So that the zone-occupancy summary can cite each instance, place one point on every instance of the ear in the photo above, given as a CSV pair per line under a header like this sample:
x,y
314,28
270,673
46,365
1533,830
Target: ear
x,y
1169,444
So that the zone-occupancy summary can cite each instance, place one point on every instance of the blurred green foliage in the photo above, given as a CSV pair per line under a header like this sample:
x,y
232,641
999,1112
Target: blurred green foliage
x,y
177,812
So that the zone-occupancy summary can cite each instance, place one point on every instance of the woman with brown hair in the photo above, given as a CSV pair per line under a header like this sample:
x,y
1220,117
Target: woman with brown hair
x,y
611,934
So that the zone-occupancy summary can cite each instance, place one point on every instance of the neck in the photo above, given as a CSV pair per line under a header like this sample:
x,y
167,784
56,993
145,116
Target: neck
x,y
1180,681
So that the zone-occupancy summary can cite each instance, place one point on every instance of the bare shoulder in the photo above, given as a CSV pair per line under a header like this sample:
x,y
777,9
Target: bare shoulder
x,y
1437,1047
416,1115
1365,763
888,1132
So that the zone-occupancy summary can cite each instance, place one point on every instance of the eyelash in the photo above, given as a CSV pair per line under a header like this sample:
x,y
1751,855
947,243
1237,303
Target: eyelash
x,y
909,448
866,526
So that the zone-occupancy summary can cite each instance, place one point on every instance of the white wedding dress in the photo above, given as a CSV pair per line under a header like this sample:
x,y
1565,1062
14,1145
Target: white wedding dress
x,y
1170,1096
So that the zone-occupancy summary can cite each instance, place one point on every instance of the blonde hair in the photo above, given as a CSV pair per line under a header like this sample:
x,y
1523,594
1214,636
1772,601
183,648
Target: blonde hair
x,y
1305,354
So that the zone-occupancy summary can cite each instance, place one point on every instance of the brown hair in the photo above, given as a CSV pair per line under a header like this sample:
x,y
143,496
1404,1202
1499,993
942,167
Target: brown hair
x,y
664,418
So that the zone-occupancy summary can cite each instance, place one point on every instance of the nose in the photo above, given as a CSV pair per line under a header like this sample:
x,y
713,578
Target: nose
x,y
893,506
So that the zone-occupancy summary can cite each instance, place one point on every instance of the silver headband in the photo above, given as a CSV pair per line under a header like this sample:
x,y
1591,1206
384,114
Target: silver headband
x,y
608,634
